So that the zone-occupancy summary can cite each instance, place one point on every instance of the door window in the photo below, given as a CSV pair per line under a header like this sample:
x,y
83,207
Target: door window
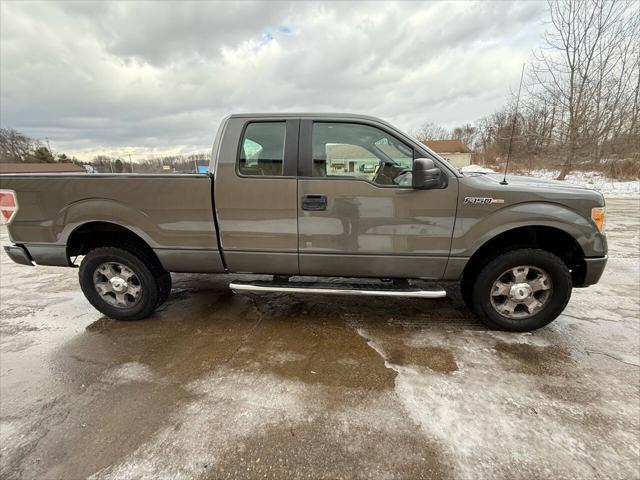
x,y
360,151
262,149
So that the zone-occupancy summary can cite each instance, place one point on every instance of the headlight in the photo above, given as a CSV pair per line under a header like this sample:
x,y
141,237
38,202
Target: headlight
x,y
597,215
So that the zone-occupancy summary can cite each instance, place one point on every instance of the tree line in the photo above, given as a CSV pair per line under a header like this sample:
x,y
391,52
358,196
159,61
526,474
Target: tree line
x,y
16,147
187,163
581,101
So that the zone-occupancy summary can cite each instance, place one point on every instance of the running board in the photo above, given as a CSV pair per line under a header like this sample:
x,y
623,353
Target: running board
x,y
334,289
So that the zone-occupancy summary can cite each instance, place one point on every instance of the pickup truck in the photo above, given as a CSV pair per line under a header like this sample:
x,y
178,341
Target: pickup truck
x,y
339,198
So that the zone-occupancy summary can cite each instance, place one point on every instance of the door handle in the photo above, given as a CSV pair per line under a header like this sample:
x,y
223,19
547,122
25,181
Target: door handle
x,y
314,202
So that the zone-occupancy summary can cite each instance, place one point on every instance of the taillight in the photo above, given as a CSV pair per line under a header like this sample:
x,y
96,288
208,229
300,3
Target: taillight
x,y
8,206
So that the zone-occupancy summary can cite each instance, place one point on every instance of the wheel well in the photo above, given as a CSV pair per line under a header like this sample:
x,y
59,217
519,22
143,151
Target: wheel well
x,y
101,234
550,239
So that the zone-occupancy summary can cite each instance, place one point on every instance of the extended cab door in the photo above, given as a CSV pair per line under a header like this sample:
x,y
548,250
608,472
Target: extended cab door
x,y
357,212
255,192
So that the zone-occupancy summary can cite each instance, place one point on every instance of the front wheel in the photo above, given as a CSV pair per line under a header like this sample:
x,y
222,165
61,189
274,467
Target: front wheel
x,y
121,284
521,290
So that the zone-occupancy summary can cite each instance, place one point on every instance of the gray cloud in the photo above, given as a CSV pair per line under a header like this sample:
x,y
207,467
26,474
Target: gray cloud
x,y
109,76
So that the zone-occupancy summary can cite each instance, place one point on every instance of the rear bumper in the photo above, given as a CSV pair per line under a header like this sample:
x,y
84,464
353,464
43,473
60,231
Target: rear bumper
x,y
38,254
593,270
19,254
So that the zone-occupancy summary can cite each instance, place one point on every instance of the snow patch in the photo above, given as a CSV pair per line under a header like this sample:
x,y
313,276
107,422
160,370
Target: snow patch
x,y
473,168
507,428
194,440
128,373
596,181
286,357
593,180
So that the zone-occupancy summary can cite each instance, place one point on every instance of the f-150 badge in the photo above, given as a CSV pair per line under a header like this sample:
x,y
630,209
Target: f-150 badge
x,y
481,200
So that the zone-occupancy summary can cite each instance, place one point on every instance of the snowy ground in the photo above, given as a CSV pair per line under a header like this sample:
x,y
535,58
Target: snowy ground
x,y
595,180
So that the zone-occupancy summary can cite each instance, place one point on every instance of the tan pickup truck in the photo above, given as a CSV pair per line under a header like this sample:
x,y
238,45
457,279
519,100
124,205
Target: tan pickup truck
x,y
315,195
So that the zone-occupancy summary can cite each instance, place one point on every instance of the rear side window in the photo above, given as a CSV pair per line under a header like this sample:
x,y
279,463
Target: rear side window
x,y
262,149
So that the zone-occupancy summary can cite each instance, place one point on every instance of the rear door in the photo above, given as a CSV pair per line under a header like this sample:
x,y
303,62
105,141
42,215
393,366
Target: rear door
x,y
255,191
357,212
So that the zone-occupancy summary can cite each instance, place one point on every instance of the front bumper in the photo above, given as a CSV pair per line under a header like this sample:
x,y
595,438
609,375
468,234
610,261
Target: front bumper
x,y
19,254
593,270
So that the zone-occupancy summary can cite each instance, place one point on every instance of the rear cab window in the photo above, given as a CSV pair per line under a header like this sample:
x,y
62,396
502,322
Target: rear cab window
x,y
262,149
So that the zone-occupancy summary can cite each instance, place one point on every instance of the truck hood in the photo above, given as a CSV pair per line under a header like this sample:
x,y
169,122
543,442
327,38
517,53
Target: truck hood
x,y
520,189
534,182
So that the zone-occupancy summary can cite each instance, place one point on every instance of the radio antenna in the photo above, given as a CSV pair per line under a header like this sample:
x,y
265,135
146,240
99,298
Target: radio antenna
x,y
513,128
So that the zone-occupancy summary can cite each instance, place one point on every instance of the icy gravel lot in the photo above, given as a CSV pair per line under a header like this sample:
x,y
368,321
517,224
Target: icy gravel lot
x,y
223,386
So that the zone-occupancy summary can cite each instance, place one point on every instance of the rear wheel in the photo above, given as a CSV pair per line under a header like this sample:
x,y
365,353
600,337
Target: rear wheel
x,y
521,290
122,284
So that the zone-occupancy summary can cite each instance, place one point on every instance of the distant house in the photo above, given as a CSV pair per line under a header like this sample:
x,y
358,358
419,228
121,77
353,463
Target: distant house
x,y
456,152
342,159
41,168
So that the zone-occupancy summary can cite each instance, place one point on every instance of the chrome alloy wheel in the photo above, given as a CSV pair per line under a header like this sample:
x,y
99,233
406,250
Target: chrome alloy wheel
x,y
117,284
521,292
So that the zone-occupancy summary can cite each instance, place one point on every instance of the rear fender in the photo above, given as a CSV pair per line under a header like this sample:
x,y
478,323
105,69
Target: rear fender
x,y
105,210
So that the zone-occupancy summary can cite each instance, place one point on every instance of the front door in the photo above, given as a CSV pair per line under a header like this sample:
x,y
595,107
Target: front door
x,y
357,213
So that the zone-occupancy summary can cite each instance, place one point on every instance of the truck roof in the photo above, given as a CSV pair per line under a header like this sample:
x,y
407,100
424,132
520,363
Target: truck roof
x,y
306,115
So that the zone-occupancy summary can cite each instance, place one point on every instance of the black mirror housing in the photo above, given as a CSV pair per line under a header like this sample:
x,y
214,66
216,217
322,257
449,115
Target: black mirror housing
x,y
425,174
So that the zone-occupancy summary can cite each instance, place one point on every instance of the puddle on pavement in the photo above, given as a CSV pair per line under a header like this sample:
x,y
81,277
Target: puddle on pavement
x,y
573,393
535,359
437,359
189,339
321,446
313,348
105,423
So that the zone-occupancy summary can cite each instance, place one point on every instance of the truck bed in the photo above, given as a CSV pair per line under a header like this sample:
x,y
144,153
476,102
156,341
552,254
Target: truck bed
x,y
172,213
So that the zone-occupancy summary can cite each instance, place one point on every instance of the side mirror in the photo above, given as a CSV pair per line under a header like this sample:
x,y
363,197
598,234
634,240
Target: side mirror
x,y
425,174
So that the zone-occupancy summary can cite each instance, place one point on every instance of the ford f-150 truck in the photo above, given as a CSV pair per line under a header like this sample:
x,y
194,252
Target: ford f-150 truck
x,y
315,195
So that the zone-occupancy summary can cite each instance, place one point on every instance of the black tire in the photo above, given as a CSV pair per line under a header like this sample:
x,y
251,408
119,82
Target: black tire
x,y
147,274
466,291
554,305
164,285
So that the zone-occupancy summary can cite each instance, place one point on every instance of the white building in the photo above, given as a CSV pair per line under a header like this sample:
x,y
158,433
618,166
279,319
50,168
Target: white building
x,y
456,152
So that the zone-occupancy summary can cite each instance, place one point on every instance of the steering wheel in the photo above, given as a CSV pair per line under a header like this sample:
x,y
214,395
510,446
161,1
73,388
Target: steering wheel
x,y
379,172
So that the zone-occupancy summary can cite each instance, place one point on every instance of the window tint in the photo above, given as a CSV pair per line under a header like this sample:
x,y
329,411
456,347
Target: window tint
x,y
360,151
262,149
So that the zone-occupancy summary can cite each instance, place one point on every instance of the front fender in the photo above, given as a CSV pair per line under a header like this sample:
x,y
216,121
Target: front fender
x,y
474,228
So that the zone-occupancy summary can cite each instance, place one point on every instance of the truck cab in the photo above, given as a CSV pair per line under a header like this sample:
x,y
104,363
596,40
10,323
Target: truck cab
x,y
330,196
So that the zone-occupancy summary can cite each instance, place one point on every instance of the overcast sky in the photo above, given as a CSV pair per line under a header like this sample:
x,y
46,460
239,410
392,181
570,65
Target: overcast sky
x,y
150,78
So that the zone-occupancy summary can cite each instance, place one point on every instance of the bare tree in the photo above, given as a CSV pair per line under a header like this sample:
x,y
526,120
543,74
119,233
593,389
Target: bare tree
x,y
586,67
467,134
615,72
16,147
431,131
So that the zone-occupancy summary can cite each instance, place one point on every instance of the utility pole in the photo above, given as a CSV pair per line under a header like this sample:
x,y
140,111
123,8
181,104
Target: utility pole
x,y
49,148
130,163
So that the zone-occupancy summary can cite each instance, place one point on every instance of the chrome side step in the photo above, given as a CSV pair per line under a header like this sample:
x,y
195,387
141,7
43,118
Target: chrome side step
x,y
334,289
